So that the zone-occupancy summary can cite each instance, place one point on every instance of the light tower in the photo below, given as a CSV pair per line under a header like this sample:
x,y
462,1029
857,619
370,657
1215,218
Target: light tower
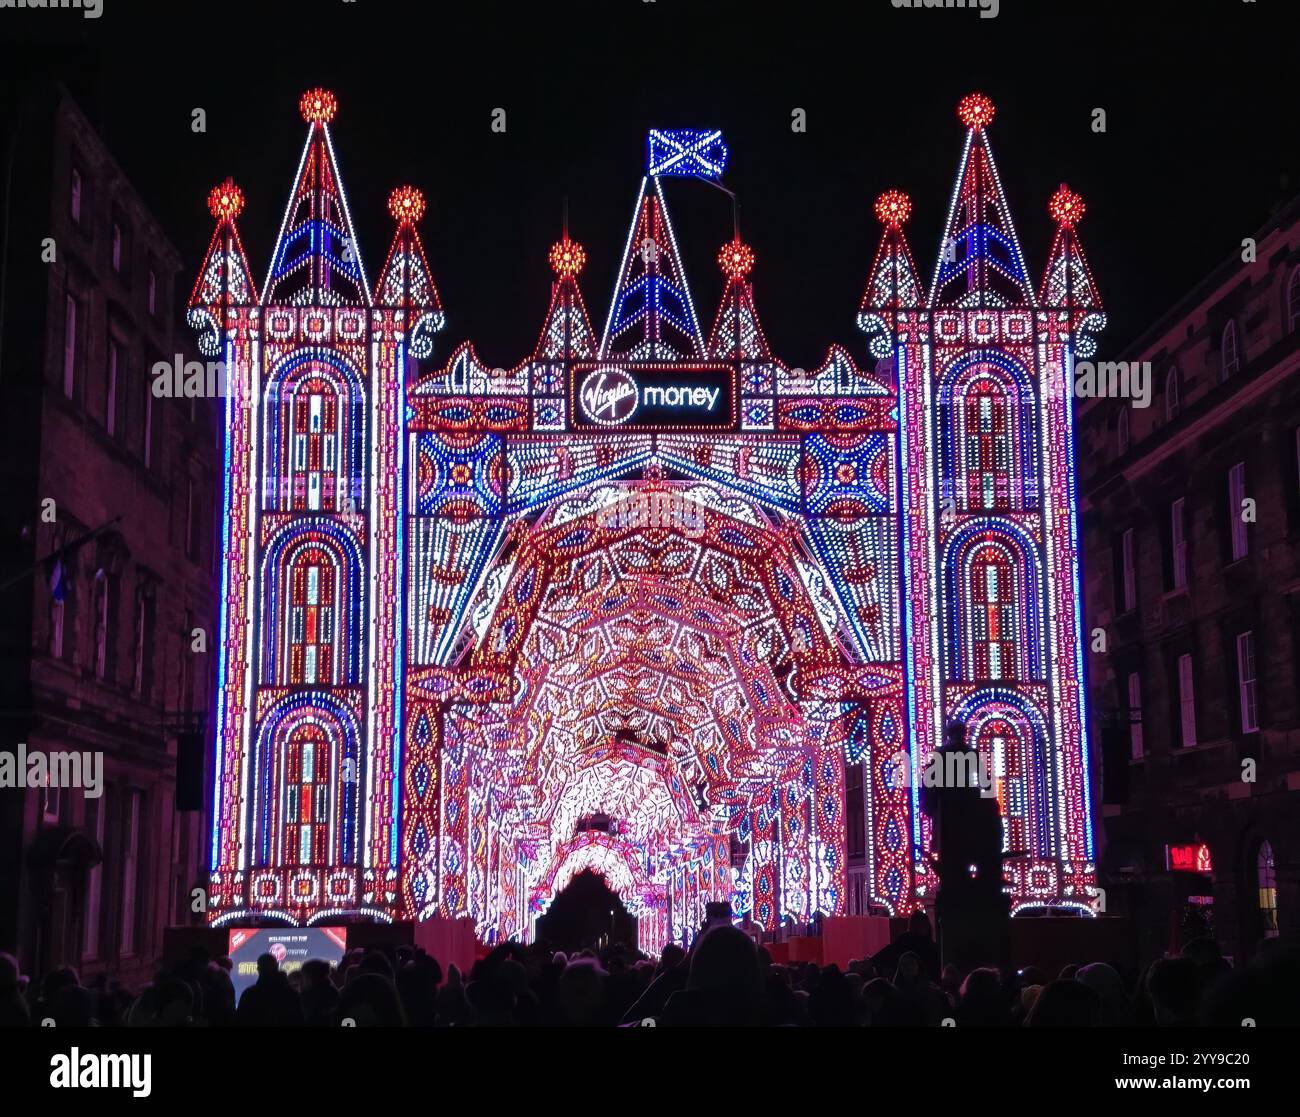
x,y
990,539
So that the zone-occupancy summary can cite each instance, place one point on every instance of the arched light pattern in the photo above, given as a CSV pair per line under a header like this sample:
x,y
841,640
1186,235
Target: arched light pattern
x,y
470,646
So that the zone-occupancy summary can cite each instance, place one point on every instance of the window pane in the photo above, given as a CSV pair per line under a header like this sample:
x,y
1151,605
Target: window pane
x,y
1186,701
1236,498
1246,683
1135,715
69,346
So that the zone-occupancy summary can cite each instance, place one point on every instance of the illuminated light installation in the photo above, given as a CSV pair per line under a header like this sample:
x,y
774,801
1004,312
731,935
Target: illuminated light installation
x,y
646,576
991,539
686,152
226,202
893,208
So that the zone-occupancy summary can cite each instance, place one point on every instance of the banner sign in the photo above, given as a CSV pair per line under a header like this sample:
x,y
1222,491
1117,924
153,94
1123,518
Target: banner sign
x,y
652,396
290,946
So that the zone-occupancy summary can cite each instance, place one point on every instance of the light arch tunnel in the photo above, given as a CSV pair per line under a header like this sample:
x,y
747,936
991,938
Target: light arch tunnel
x,y
452,581
665,657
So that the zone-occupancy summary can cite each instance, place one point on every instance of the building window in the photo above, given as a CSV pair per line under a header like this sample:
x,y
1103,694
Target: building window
x,y
62,602
50,800
1293,302
152,429
110,405
153,292
131,871
74,196
101,623
143,637
1128,571
1122,435
117,247
1135,716
1297,458
855,830
189,517
1267,890
1186,702
95,811
1236,498
1178,543
69,346
1173,395
1230,351
857,893
192,505
187,664
56,628
1247,696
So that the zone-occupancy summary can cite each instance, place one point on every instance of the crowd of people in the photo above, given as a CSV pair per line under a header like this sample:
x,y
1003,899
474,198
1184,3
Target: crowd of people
x,y
725,979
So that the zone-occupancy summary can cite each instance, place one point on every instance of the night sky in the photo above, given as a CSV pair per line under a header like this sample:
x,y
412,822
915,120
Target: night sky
x,y
1201,142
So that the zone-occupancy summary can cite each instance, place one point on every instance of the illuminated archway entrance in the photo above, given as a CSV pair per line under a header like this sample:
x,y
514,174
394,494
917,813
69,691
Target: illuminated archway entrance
x,y
651,654
587,913
647,572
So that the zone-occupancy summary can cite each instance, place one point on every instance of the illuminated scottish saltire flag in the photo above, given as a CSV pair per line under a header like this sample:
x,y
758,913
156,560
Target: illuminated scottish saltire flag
x,y
686,152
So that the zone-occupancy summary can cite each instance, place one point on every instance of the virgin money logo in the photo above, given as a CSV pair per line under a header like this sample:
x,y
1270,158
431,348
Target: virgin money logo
x,y
608,396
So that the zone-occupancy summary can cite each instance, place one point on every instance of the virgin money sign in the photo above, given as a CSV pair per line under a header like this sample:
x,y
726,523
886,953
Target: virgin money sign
x,y
652,396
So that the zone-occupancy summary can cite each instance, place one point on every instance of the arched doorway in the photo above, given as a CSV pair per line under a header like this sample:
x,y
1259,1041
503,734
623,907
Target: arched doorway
x,y
587,914
680,678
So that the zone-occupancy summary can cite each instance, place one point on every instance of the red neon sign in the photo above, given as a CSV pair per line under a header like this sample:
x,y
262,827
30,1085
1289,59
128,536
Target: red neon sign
x,y
1188,858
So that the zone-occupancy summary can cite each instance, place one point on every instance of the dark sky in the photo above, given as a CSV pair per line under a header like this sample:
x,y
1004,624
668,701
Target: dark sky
x,y
1201,100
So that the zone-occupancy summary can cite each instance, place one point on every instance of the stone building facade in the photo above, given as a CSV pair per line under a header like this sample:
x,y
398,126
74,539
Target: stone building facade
x,y
107,557
1191,514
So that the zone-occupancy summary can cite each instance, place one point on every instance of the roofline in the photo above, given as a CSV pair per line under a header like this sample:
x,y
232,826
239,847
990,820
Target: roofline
x,y
1285,215
67,101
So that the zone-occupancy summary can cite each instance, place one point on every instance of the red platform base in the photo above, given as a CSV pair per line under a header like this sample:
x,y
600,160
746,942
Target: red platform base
x,y
846,937
450,941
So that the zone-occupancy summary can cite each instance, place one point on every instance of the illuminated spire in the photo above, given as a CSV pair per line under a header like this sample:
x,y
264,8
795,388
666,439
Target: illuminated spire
x,y
566,334
651,317
893,285
737,335
980,262
225,280
975,110
1067,281
406,281
317,261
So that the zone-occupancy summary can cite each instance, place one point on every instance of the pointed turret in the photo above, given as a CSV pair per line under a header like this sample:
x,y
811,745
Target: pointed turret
x,y
737,335
651,317
1067,281
566,334
316,260
406,282
224,280
893,285
980,262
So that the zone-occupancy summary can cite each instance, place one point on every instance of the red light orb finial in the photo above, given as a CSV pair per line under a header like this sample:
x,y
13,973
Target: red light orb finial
x,y
406,204
318,106
567,257
1066,207
226,201
893,208
736,259
975,110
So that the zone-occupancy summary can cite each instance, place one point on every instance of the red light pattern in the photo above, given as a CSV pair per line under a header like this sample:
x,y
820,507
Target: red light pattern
x,y
457,625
